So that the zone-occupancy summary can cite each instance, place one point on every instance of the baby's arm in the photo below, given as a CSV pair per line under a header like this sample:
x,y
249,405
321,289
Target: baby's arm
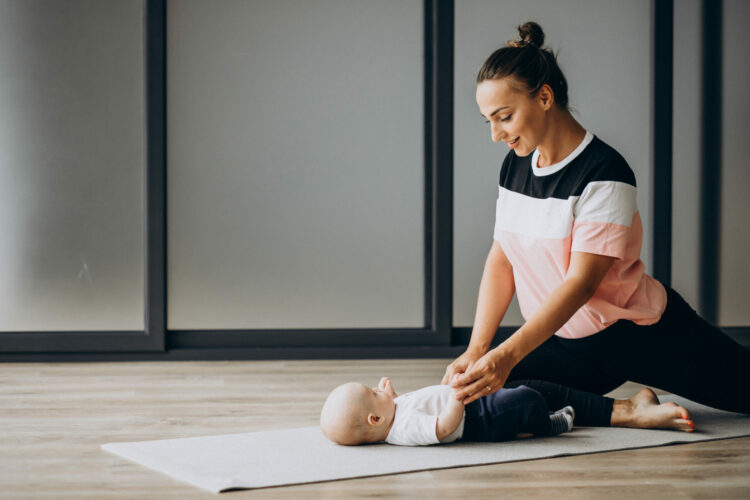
x,y
449,419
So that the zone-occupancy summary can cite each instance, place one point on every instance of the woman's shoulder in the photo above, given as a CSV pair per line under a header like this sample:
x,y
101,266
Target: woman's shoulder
x,y
602,162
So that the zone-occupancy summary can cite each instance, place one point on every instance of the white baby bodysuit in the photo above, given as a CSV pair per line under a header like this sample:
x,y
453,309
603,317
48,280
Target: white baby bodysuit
x,y
415,421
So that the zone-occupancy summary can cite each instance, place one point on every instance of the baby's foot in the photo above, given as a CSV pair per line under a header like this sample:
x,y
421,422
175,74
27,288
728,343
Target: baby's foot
x,y
562,420
570,411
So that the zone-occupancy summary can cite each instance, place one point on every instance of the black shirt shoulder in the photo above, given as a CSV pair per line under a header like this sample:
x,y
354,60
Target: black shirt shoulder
x,y
596,163
514,170
602,162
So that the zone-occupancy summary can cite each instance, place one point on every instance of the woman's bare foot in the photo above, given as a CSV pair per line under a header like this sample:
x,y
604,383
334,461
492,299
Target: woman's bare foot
x,y
645,412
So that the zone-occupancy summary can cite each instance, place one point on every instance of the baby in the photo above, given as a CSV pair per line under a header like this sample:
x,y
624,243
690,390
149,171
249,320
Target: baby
x,y
355,414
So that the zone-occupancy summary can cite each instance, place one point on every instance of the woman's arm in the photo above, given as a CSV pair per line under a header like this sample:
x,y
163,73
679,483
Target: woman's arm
x,y
495,293
585,273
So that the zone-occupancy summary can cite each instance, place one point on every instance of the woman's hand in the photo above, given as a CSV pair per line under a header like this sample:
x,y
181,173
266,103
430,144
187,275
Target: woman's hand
x,y
460,365
483,377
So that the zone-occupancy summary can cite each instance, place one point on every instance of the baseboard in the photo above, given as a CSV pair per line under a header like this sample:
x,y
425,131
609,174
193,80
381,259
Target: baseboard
x,y
460,339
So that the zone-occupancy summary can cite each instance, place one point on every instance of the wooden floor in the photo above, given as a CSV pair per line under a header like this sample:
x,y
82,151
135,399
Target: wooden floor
x,y
54,417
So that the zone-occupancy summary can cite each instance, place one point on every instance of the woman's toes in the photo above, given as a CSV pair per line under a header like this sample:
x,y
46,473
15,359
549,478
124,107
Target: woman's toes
x,y
683,412
685,425
684,422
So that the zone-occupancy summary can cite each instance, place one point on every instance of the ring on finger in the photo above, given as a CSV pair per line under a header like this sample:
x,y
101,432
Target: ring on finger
x,y
489,389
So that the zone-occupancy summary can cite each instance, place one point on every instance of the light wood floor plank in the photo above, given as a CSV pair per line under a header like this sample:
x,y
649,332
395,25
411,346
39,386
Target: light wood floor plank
x,y
54,417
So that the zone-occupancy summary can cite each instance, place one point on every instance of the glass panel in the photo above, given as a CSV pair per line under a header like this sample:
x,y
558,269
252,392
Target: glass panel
x,y
296,169
734,246
605,54
71,165
686,151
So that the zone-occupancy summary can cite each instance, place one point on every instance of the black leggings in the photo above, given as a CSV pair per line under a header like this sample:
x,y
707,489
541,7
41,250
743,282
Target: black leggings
x,y
682,354
591,409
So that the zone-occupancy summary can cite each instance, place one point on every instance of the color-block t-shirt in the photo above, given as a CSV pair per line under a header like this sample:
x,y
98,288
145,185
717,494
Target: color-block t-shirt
x,y
585,203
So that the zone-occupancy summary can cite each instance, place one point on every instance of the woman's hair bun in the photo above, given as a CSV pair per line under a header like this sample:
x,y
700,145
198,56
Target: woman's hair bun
x,y
530,33
529,63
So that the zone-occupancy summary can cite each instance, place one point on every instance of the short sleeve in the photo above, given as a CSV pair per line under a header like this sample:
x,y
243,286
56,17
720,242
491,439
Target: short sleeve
x,y
603,215
416,429
504,169
497,233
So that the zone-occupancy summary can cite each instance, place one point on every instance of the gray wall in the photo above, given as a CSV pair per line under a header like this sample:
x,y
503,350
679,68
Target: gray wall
x,y
734,244
686,150
734,265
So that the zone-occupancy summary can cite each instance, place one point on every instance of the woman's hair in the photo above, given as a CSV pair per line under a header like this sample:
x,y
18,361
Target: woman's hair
x,y
528,62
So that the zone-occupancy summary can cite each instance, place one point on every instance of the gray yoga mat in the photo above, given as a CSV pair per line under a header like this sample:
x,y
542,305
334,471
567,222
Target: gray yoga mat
x,y
303,455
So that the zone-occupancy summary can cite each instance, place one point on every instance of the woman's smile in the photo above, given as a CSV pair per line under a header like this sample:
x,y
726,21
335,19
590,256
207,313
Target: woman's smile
x,y
511,113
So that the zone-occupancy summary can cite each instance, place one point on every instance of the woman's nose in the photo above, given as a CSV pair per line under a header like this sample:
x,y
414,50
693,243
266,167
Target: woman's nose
x,y
495,133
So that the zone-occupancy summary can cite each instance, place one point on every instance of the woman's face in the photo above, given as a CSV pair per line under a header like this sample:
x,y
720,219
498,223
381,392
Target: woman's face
x,y
515,117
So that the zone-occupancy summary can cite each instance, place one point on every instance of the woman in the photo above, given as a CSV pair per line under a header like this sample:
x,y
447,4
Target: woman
x,y
567,240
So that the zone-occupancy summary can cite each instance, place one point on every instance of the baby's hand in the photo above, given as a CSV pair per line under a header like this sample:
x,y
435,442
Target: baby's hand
x,y
454,391
386,386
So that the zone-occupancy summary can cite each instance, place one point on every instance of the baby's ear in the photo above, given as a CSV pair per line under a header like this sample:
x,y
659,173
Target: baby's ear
x,y
374,420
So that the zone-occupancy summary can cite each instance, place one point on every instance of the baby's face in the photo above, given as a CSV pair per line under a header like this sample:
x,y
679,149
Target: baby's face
x,y
380,399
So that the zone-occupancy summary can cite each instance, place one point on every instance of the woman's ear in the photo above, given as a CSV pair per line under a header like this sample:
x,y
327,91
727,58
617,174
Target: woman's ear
x,y
374,420
546,97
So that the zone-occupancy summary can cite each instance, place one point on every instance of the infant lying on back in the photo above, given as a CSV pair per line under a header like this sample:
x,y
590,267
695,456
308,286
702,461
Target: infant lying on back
x,y
356,414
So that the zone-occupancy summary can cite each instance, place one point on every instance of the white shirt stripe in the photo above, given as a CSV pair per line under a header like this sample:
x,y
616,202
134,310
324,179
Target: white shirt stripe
x,y
607,201
604,201
538,218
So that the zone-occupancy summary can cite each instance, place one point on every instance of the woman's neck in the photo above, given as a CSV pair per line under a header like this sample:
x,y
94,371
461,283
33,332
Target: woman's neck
x,y
562,136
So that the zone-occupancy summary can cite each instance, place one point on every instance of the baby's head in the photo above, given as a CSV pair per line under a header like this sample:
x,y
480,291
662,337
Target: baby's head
x,y
355,414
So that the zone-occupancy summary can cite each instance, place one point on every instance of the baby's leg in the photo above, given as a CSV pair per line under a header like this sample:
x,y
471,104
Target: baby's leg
x,y
590,409
503,415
